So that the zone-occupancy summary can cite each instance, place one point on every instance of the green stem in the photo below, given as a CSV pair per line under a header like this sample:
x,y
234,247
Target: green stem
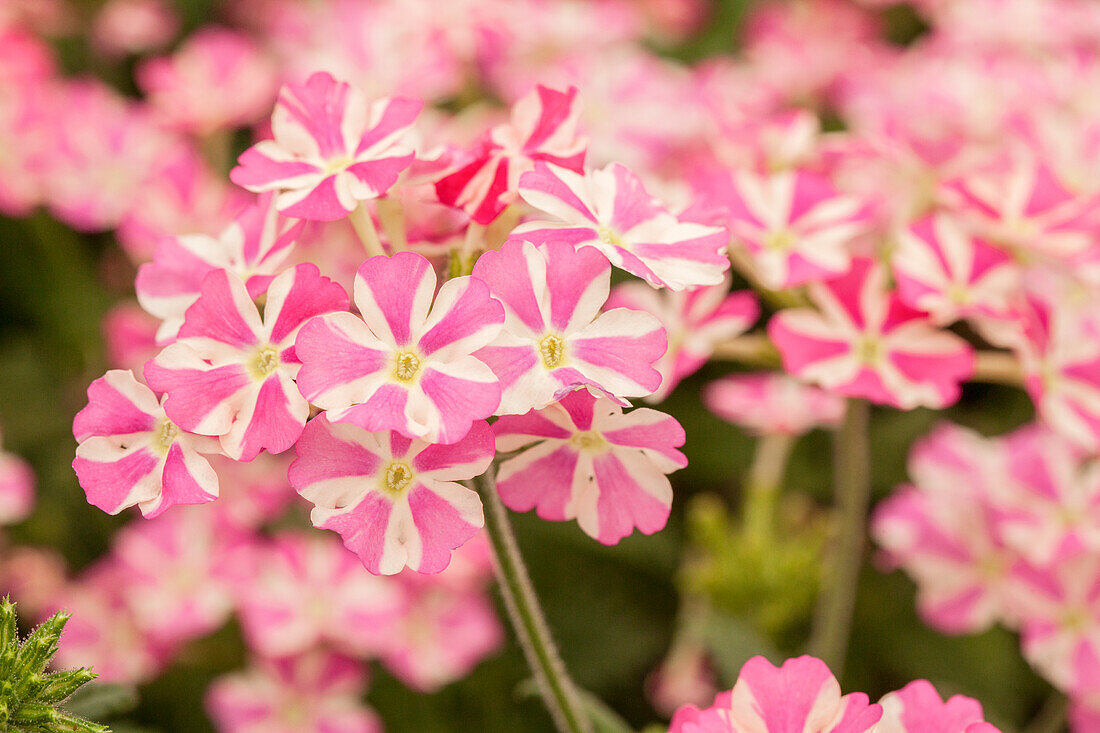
x,y
392,215
833,623
1051,718
763,483
364,226
558,690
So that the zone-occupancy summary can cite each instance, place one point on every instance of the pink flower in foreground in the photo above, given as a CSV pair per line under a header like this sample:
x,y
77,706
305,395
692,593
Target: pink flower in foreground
x,y
554,337
331,149
318,692
611,211
585,459
310,591
795,225
231,373
399,367
947,273
802,696
863,342
696,320
254,248
394,500
918,708
131,453
217,80
772,403
543,127
16,488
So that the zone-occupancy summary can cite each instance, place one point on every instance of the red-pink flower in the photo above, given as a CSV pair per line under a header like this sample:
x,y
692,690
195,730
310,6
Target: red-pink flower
x,y
319,692
331,149
131,453
863,342
695,320
585,459
769,403
802,696
543,127
394,500
610,210
400,367
554,337
918,708
254,247
231,373
308,592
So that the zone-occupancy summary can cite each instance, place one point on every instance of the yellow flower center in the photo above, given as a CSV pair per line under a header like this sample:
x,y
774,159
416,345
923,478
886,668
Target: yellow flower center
x,y
609,236
164,435
398,477
406,366
780,240
589,440
552,351
869,350
336,165
264,362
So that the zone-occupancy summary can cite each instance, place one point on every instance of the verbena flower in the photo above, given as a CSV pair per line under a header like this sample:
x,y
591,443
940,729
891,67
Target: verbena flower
x,y
585,459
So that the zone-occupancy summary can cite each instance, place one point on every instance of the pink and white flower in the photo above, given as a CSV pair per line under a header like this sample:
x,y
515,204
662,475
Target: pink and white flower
x,y
16,488
308,592
554,337
217,80
401,367
319,692
131,453
331,149
610,210
770,403
696,320
864,342
393,499
918,708
543,127
795,225
254,248
802,695
231,374
950,274
585,459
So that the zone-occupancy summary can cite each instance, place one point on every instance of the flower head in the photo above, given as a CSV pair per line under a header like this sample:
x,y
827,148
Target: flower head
x,y
393,499
585,459
399,366
331,149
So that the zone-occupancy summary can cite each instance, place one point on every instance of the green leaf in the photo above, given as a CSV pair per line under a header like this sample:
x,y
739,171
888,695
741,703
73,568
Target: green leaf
x,y
104,700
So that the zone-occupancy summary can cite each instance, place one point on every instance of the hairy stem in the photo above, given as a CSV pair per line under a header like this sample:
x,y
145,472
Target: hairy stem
x,y
364,226
392,215
558,690
763,483
852,487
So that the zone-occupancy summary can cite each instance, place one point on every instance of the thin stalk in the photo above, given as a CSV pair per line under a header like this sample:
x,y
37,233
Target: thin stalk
x,y
852,488
763,483
752,349
558,691
1051,718
997,367
391,213
364,226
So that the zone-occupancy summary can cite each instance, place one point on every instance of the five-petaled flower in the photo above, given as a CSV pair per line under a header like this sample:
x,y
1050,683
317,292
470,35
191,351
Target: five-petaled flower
x,y
555,338
231,372
331,149
610,210
399,367
585,459
394,500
